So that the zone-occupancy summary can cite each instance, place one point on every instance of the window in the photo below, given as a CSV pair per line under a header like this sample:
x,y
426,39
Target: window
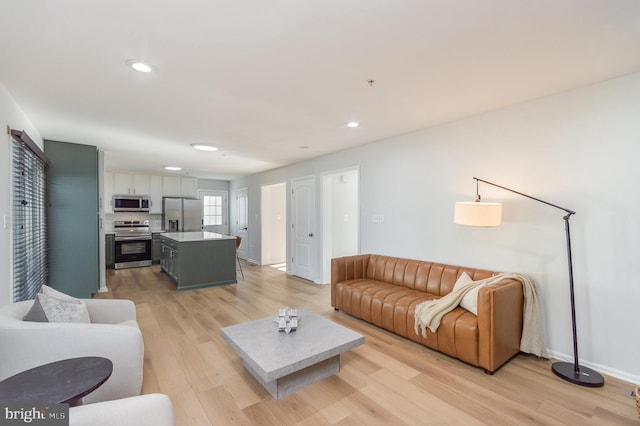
x,y
212,205
30,236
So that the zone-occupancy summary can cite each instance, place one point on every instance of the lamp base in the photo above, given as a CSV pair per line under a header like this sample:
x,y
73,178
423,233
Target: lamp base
x,y
583,377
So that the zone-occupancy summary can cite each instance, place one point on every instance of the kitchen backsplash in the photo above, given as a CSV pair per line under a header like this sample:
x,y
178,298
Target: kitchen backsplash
x,y
155,220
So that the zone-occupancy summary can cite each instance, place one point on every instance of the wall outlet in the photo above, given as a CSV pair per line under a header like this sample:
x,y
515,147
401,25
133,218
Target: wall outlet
x,y
377,218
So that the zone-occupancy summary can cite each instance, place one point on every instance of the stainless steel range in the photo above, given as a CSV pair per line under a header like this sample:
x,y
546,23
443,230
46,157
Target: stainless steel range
x,y
132,243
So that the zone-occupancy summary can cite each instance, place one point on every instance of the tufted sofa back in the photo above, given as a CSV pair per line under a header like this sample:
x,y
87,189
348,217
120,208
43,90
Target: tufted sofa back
x,y
428,277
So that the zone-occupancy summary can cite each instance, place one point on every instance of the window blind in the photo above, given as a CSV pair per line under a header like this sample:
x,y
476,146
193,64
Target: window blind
x,y
29,205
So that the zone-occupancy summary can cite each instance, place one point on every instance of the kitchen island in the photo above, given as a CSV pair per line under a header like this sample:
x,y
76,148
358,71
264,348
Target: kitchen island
x,y
198,259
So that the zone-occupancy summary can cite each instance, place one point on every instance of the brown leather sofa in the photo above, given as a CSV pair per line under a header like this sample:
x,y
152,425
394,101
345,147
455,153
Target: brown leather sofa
x,y
385,291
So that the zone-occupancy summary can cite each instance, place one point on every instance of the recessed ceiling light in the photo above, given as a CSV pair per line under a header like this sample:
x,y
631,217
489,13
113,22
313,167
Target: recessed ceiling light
x,y
139,65
172,168
353,124
203,147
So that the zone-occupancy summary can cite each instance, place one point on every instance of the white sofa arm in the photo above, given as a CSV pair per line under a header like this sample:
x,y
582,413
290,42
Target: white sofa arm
x,y
110,311
152,409
40,343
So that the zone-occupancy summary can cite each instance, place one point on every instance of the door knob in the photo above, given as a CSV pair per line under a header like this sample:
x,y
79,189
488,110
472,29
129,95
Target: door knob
x,y
311,234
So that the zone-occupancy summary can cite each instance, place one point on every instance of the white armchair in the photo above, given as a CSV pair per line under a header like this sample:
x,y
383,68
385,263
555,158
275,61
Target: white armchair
x,y
113,333
152,409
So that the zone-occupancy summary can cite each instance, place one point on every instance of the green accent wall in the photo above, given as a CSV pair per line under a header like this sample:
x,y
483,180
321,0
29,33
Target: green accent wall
x,y
73,218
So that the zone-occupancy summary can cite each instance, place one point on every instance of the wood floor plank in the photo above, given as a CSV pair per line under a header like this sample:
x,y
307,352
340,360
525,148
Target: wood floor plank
x,y
388,380
221,407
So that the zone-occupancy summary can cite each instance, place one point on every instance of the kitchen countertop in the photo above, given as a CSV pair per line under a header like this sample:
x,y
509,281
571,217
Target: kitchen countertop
x,y
196,236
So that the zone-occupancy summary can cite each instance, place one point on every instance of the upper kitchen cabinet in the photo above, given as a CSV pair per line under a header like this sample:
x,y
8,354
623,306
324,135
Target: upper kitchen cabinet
x,y
189,187
130,184
155,187
74,255
171,186
176,186
155,194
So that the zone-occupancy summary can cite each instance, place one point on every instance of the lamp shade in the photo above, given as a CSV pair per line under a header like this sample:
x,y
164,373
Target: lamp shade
x,y
476,213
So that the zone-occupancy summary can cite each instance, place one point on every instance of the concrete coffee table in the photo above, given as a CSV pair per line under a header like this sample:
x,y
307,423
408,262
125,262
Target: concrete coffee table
x,y
284,363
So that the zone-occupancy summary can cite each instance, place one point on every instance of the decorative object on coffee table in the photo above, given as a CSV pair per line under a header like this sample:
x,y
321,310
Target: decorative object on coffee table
x,y
287,319
284,363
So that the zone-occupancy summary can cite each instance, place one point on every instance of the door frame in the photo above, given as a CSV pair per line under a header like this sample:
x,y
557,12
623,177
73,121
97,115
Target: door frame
x,y
266,219
243,251
327,222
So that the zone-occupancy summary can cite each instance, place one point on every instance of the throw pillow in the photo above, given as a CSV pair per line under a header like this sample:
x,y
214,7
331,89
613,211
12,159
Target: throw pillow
x,y
470,300
36,313
59,307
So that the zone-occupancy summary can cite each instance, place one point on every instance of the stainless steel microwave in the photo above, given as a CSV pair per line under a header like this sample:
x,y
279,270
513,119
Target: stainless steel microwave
x,y
131,203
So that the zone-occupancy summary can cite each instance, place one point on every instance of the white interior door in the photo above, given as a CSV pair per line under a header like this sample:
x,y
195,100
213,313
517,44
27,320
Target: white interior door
x,y
242,221
215,211
303,224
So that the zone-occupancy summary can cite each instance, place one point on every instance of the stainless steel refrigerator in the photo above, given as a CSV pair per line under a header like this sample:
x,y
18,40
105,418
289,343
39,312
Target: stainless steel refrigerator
x,y
181,214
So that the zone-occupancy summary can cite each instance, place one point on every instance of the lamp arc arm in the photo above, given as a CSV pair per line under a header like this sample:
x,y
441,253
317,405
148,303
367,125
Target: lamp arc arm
x,y
569,211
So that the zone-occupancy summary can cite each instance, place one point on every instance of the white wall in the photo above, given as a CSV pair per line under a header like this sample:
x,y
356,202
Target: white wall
x,y
578,149
10,115
213,185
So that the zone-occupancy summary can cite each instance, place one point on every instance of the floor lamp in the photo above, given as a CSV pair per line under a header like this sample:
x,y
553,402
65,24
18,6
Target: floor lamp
x,y
478,213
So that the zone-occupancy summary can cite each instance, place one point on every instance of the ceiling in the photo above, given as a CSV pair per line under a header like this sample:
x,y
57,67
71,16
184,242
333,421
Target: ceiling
x,y
273,82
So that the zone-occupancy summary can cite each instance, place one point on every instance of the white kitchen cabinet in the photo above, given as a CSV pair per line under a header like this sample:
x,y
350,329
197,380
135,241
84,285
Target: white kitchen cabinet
x,y
176,186
155,187
140,185
155,194
122,183
131,184
171,186
189,187
108,192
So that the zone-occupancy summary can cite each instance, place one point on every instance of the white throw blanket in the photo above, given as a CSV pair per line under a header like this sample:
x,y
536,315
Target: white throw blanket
x,y
430,313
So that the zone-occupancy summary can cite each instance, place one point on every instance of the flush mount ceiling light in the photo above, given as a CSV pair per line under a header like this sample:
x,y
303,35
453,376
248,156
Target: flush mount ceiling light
x,y
139,65
353,124
203,147
172,168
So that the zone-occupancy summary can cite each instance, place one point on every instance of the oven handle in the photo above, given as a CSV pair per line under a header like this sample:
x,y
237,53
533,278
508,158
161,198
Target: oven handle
x,y
134,238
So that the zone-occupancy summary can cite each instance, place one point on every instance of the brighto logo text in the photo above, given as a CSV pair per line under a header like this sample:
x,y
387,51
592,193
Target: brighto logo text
x,y
25,415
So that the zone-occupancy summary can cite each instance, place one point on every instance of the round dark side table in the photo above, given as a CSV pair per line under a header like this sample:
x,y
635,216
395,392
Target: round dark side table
x,y
60,382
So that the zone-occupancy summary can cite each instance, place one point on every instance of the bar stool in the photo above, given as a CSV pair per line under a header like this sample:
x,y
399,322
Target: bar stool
x,y
238,242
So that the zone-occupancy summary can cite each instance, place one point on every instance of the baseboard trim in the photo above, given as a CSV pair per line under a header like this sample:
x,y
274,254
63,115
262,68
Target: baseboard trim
x,y
603,369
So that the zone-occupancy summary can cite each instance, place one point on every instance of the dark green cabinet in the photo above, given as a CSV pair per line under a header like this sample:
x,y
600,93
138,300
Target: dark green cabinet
x,y
198,263
74,254
109,250
156,248
169,258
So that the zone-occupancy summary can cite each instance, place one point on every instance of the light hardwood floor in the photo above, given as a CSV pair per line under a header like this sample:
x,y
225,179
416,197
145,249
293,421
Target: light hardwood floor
x,y
388,380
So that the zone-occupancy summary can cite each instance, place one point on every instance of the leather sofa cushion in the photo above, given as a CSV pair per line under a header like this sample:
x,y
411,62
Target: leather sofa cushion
x,y
433,278
392,307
